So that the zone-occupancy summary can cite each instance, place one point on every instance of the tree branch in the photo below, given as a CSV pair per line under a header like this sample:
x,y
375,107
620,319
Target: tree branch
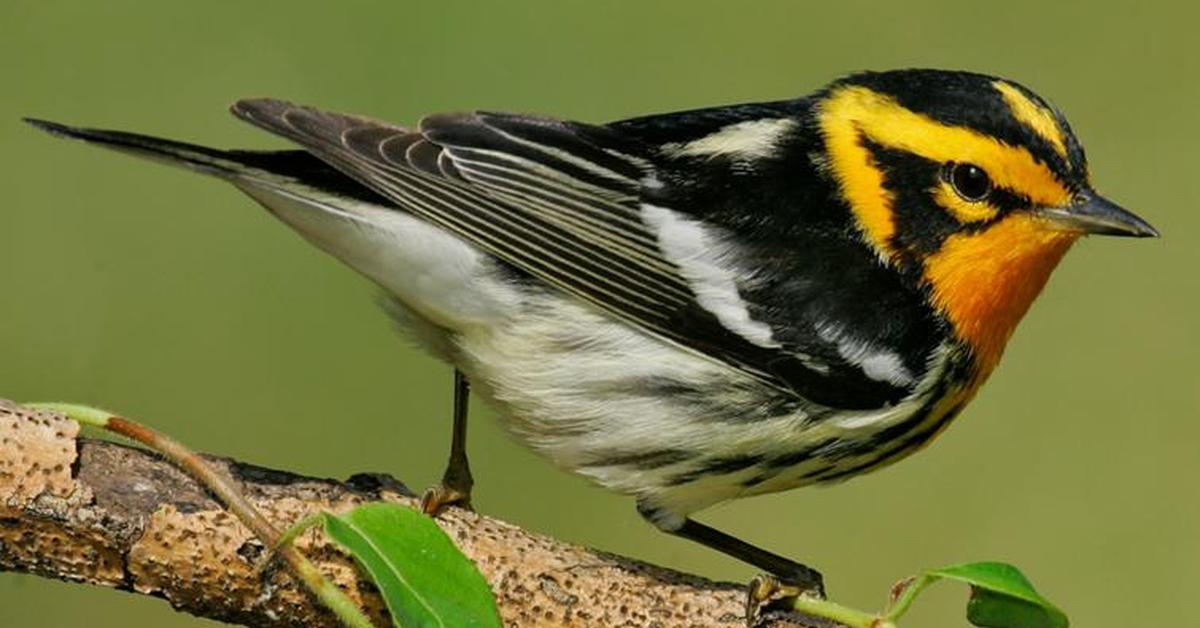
x,y
101,513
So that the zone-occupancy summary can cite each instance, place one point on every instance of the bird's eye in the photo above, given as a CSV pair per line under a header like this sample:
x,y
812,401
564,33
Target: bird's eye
x,y
969,181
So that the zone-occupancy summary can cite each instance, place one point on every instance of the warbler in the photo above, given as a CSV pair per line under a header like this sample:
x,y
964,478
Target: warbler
x,y
704,305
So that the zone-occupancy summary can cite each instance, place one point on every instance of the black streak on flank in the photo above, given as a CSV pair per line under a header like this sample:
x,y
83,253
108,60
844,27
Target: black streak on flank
x,y
645,460
756,480
698,400
796,457
917,439
780,464
716,466
905,446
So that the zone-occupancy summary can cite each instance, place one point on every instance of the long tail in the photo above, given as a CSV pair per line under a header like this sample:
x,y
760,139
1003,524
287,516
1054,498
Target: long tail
x,y
439,277
275,168
204,159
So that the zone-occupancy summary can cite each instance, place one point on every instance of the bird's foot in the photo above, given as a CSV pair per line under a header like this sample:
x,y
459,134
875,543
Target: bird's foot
x,y
437,498
768,590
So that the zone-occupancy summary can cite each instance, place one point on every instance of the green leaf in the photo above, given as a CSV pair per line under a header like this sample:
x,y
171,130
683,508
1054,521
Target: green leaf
x,y
1002,597
425,580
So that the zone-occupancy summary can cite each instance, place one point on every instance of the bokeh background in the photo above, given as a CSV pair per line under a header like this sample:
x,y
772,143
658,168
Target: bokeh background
x,y
175,300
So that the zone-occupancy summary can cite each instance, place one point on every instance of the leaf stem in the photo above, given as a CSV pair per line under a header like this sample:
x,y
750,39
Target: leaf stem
x,y
86,415
911,589
845,615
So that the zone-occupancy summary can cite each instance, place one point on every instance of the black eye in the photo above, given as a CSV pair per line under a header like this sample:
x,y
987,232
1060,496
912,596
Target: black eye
x,y
970,181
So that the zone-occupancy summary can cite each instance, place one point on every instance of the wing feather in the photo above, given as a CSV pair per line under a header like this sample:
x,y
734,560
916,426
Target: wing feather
x,y
561,201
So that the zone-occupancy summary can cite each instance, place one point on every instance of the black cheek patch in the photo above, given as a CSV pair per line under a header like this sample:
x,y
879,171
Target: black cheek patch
x,y
921,223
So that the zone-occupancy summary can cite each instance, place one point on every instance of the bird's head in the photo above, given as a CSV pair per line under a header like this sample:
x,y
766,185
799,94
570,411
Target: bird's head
x,y
971,184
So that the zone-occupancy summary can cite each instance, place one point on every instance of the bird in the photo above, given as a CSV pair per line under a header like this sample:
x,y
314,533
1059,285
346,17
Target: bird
x,y
697,306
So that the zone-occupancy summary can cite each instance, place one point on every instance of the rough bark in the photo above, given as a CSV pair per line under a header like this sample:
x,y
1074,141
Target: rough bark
x,y
106,514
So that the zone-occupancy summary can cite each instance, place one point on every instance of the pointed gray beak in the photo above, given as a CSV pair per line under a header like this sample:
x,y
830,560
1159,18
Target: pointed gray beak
x,y
1093,214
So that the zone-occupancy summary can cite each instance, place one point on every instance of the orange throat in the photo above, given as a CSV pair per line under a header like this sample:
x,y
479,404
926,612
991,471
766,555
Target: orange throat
x,y
985,282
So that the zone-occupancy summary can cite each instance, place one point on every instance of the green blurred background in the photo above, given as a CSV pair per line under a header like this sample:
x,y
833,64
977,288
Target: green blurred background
x,y
176,300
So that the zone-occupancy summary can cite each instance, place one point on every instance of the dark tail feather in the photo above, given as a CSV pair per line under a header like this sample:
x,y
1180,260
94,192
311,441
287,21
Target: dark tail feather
x,y
279,168
207,160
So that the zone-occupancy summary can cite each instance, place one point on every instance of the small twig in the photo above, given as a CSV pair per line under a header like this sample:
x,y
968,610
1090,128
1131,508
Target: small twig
x,y
217,484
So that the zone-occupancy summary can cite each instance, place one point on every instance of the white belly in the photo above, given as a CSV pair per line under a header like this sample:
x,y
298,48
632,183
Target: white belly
x,y
632,412
639,415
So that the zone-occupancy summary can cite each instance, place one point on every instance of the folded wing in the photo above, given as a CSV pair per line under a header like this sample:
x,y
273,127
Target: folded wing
x,y
561,201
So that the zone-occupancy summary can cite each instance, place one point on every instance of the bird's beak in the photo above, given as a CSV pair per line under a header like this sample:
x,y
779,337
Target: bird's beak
x,y
1091,213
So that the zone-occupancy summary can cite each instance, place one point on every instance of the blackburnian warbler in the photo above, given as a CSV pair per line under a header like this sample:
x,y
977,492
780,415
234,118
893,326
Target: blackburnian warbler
x,y
697,306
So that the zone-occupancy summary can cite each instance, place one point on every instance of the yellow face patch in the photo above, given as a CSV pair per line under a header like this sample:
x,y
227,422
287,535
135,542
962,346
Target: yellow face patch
x,y
965,212
1039,119
853,112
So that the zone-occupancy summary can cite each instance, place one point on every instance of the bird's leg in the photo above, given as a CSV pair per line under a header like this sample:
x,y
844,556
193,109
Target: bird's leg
x,y
455,488
784,578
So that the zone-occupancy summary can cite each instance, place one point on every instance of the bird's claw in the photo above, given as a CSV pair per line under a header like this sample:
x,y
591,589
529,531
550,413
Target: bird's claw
x,y
437,498
766,589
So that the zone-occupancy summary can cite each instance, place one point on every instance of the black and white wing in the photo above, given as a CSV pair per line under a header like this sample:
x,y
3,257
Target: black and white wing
x,y
563,202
